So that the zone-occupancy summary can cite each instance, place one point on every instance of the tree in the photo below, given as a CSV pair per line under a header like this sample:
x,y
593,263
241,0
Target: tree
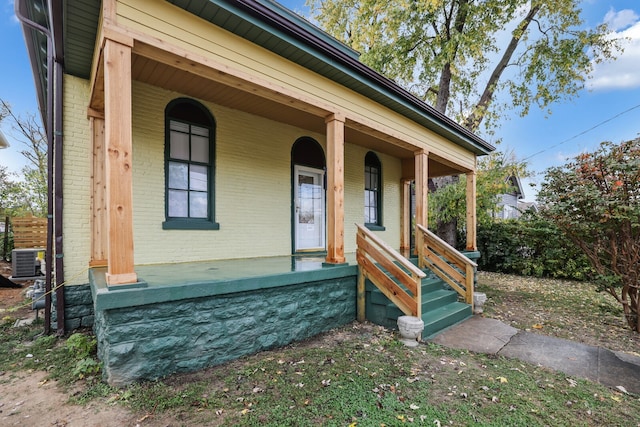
x,y
10,199
458,55
32,188
595,201
448,204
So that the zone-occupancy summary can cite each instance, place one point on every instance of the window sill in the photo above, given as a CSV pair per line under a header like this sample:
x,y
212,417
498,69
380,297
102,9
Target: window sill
x,y
177,224
375,227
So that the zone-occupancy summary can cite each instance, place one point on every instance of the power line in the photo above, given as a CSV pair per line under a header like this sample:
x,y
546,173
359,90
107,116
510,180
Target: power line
x,y
583,132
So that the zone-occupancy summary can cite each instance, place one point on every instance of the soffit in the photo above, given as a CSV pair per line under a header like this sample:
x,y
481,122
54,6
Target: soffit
x,y
161,75
80,29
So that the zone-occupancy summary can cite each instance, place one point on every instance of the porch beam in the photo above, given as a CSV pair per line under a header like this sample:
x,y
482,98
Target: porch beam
x,y
421,163
335,188
471,212
118,163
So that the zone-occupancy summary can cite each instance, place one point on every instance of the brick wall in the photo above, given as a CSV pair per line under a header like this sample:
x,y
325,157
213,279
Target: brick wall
x,y
76,180
252,191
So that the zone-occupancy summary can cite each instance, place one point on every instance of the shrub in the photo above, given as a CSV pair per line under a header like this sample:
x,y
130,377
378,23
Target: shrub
x,y
531,246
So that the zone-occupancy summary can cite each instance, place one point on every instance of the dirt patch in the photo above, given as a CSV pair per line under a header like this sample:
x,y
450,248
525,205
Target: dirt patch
x,y
28,399
12,300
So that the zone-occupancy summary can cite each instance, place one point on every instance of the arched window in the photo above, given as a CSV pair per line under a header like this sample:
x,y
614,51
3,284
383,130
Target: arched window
x,y
372,191
189,155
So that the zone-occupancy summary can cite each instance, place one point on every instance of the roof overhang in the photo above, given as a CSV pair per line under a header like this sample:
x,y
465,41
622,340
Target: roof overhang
x,y
265,23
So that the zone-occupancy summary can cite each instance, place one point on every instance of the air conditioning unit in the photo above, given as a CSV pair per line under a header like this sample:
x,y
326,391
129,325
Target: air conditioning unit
x,y
25,264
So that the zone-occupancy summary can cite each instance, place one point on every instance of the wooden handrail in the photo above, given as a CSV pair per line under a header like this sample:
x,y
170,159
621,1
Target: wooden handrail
x,y
373,254
446,262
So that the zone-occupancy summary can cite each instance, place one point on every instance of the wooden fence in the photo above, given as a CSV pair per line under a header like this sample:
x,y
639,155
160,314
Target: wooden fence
x,y
29,232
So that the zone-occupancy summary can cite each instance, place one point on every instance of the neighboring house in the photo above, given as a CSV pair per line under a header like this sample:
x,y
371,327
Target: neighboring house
x,y
210,160
508,204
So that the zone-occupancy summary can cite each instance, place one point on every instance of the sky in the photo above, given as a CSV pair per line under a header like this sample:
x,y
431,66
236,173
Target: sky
x,y
608,109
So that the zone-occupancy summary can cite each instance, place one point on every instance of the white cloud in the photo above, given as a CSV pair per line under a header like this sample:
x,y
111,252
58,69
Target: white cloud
x,y
620,20
621,73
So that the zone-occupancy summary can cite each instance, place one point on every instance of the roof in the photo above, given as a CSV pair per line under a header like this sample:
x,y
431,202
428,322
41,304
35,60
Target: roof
x,y
274,27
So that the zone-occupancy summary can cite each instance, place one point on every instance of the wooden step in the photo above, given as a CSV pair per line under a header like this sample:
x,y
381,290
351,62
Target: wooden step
x,y
444,317
440,307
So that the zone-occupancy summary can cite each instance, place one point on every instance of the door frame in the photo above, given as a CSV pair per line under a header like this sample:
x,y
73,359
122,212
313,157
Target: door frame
x,y
294,217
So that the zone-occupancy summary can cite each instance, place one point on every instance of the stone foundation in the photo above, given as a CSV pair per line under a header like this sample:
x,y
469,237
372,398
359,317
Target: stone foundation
x,y
78,308
154,340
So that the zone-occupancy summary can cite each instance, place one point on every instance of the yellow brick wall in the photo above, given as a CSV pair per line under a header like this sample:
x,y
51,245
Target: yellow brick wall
x,y
252,188
76,180
354,196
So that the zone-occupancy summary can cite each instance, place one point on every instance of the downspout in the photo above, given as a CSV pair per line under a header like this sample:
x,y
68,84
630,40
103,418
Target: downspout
x,y
55,12
54,152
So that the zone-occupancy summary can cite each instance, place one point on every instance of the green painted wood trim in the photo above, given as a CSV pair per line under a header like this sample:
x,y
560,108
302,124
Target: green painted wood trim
x,y
472,255
375,227
106,298
185,224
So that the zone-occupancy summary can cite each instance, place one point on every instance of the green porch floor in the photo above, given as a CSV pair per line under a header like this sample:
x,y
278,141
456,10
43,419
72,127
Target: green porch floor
x,y
175,281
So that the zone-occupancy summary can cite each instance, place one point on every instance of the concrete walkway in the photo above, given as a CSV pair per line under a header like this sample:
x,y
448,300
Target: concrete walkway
x,y
484,335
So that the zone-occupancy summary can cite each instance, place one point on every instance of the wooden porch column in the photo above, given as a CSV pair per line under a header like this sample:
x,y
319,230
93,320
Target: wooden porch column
x,y
98,188
421,164
471,212
405,219
335,188
118,162
422,186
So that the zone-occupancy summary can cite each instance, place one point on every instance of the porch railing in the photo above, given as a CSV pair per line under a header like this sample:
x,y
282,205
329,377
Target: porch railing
x,y
377,262
446,262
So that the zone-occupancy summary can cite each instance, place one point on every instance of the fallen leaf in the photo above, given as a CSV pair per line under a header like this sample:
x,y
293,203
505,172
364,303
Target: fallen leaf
x,y
143,418
622,389
414,407
502,379
616,398
537,326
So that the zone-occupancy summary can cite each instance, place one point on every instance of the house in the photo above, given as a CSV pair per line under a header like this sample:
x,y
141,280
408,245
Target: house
x,y
509,203
227,178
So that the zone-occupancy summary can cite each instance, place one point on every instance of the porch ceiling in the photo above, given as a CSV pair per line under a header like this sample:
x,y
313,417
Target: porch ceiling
x,y
241,97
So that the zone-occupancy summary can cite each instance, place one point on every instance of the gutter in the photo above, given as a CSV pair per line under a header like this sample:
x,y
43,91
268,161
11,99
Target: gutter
x,y
52,118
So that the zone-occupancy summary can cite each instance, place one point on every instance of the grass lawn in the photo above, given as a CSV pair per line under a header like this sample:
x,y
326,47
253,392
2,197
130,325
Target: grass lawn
x,y
360,375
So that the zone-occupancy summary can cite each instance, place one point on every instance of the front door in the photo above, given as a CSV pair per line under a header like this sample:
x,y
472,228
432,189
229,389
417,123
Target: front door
x,y
309,212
